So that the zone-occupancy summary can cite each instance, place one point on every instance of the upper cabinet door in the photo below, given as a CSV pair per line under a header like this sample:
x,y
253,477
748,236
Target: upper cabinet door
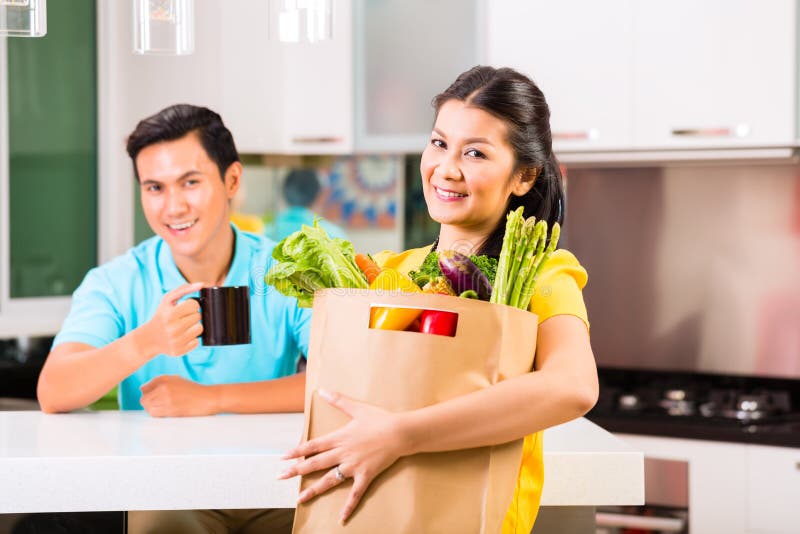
x,y
579,53
715,73
249,77
317,81
406,53
290,98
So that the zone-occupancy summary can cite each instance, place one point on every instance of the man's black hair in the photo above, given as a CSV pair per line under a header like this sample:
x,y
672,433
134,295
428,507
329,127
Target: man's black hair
x,y
176,122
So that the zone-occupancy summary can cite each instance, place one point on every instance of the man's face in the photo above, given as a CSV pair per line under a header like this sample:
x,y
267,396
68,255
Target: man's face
x,y
185,201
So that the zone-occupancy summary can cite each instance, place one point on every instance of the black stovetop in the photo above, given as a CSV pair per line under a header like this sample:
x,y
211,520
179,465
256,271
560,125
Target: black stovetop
x,y
757,410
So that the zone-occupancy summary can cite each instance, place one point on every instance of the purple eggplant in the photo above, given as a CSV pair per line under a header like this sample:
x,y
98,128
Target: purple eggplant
x,y
464,275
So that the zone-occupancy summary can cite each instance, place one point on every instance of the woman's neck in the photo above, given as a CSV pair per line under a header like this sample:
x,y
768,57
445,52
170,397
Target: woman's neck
x,y
460,239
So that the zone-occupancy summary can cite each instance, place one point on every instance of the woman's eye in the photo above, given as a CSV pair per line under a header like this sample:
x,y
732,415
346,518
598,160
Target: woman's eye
x,y
475,154
438,143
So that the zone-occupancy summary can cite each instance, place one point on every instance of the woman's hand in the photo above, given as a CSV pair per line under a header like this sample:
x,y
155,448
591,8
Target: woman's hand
x,y
373,440
173,396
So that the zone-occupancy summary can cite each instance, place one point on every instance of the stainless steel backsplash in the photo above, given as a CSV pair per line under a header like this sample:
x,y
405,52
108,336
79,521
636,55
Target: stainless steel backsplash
x,y
691,268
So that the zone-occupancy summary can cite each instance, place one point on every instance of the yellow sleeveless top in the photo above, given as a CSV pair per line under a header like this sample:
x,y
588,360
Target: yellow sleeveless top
x,y
557,292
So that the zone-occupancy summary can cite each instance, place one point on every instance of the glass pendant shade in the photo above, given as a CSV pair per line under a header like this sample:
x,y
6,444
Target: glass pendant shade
x,y
300,21
163,27
23,18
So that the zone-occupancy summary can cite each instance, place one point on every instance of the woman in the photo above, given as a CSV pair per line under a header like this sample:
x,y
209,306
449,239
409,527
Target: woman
x,y
490,152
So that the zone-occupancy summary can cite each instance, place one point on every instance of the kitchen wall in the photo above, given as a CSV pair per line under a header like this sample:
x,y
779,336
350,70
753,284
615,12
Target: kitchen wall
x,y
691,267
363,195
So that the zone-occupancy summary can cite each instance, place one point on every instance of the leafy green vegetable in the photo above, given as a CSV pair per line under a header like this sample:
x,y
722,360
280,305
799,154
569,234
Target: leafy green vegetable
x,y
308,260
487,265
430,270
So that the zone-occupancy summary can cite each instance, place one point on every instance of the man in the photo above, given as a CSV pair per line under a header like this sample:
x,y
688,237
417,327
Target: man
x,y
130,323
301,189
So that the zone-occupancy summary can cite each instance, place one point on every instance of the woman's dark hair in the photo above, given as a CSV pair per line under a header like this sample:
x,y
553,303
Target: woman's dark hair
x,y
517,101
179,120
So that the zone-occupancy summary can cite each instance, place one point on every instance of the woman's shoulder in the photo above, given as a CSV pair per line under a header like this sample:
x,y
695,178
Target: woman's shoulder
x,y
405,261
562,261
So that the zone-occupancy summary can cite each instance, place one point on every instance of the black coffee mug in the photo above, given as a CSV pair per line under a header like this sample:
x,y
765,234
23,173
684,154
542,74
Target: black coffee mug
x,y
225,314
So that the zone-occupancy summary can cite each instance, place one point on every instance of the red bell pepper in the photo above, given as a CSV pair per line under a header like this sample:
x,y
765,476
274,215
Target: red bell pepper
x,y
437,322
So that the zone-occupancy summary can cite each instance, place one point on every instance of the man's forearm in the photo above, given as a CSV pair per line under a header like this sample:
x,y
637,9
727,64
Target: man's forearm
x,y
76,375
269,396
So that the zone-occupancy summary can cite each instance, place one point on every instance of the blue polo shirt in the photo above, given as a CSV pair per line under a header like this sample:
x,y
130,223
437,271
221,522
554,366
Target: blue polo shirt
x,y
124,293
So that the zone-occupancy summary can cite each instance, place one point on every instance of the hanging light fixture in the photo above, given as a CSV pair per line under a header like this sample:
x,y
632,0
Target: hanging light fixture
x,y
300,21
23,18
163,27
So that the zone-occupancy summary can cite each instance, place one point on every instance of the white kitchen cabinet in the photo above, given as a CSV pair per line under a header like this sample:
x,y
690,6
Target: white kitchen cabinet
x,y
285,98
367,90
716,73
146,84
773,489
628,76
250,77
406,52
275,97
579,53
317,95
735,488
717,479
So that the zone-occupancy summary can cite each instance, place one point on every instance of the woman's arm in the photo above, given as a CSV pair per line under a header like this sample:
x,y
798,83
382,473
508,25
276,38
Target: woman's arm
x,y
563,387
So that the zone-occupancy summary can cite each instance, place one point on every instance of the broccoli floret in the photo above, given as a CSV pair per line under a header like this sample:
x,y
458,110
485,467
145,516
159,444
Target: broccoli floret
x,y
429,270
487,265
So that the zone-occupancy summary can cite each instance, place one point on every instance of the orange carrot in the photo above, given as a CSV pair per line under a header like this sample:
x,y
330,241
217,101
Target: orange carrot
x,y
368,267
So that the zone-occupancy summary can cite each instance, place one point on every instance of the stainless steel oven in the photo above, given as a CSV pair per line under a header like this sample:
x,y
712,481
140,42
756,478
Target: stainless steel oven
x,y
666,506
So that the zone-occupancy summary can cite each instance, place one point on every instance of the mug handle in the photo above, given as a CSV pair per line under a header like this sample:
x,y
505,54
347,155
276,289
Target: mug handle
x,y
200,302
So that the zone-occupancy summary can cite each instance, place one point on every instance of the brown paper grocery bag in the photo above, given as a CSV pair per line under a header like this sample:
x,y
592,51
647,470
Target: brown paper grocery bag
x,y
466,491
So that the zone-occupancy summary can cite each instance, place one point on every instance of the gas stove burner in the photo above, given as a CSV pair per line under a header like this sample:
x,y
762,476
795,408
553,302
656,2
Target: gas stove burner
x,y
749,408
678,402
629,402
746,407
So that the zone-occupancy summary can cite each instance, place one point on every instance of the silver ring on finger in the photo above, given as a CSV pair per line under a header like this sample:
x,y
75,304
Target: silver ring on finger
x,y
338,474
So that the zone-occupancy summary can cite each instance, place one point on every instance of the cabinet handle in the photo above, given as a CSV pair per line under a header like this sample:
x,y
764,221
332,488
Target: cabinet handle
x,y
797,465
578,135
740,130
661,524
317,140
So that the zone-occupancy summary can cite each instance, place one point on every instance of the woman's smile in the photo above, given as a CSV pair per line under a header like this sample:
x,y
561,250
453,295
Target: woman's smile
x,y
447,195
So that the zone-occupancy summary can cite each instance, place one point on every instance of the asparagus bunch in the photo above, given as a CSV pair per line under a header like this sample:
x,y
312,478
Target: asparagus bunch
x,y
524,253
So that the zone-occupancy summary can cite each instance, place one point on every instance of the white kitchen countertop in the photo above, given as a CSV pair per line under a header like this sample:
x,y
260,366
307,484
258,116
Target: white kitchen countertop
x,y
131,461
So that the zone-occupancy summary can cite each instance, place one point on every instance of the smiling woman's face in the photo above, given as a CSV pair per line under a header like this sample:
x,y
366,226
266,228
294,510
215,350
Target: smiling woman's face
x,y
467,169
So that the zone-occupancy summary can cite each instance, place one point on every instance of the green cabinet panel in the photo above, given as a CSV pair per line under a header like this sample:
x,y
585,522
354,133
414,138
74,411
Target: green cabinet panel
x,y
52,127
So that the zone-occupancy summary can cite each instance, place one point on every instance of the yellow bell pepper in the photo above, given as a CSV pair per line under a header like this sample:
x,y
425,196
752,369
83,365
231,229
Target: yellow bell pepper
x,y
393,318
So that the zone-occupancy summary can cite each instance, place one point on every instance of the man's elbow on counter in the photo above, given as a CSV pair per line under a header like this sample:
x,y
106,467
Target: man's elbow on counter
x,y
46,402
